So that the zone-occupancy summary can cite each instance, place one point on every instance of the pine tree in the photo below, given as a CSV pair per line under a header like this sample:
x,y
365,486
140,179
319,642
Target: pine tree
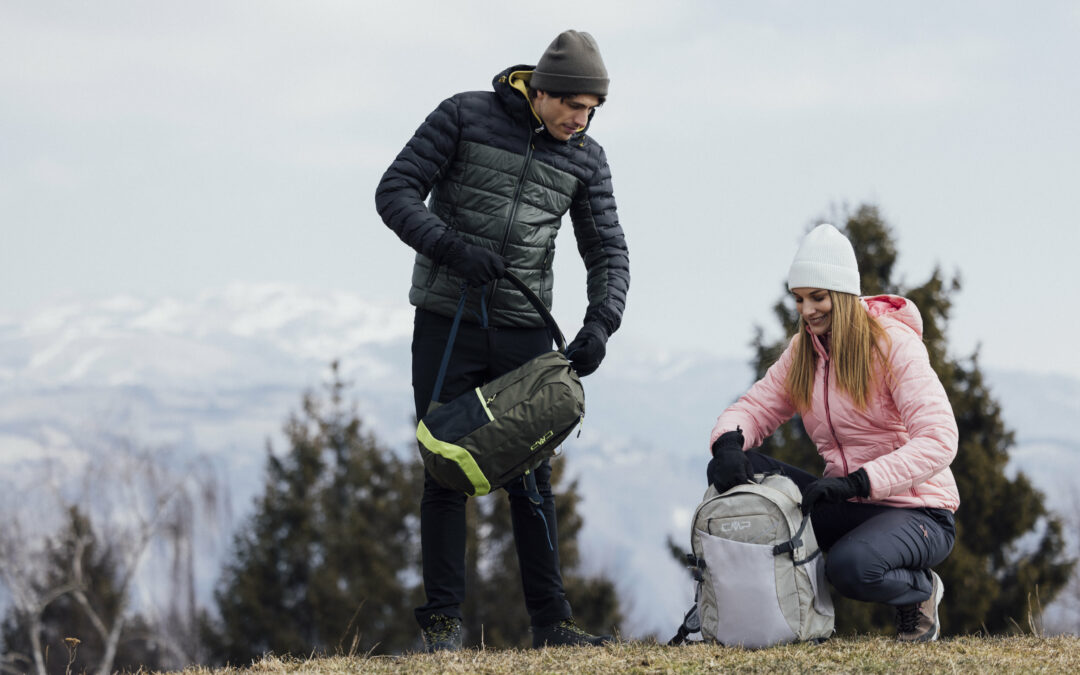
x,y
325,563
991,577
329,562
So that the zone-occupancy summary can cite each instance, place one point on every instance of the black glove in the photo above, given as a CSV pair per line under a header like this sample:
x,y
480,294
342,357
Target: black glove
x,y
729,466
475,264
836,489
588,348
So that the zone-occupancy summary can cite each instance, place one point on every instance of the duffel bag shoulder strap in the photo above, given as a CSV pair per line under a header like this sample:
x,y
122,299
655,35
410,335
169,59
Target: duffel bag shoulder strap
x,y
437,390
533,299
541,309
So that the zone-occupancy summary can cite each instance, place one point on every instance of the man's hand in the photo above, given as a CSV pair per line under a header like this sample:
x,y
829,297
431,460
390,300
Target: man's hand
x,y
588,348
836,489
475,264
729,466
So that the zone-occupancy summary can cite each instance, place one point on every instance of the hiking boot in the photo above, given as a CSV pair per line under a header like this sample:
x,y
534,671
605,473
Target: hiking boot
x,y
565,634
919,622
443,633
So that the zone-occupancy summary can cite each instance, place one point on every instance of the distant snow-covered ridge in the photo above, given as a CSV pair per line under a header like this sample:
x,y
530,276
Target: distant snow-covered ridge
x,y
242,334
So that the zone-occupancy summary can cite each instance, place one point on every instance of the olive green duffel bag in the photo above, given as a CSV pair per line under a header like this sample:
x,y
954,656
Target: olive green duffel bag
x,y
503,429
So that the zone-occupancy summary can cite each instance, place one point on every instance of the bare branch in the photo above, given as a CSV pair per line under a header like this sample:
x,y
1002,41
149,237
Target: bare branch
x,y
140,504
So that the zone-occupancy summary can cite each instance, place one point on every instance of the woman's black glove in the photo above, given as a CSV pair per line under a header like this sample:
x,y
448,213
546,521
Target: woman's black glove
x,y
587,349
841,489
729,466
475,264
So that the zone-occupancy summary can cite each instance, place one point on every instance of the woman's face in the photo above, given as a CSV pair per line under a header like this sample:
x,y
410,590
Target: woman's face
x,y
815,307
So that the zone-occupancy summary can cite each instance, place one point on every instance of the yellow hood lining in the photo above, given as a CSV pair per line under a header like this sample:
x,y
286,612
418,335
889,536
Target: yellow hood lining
x,y
519,79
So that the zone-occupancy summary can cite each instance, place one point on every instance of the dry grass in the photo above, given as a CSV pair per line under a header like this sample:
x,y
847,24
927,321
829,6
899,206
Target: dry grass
x,y
1025,654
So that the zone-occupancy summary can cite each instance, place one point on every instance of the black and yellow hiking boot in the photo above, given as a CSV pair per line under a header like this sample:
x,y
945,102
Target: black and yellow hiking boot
x,y
442,634
919,622
565,633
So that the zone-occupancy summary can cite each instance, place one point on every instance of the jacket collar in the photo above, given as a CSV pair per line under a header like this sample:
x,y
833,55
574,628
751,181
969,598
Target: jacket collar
x,y
819,347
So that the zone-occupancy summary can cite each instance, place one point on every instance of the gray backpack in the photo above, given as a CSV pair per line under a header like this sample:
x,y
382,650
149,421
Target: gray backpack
x,y
760,580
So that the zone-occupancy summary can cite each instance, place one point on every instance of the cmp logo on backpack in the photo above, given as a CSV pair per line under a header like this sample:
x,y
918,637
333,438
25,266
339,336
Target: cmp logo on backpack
x,y
734,525
540,441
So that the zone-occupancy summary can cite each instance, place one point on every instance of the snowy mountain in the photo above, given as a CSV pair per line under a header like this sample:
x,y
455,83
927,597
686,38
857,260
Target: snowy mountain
x,y
220,373
215,373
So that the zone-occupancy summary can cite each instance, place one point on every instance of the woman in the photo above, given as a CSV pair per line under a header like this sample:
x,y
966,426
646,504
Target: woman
x,y
858,374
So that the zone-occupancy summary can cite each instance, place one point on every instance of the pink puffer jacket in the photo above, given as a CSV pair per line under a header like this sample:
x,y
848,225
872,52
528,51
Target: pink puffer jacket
x,y
905,439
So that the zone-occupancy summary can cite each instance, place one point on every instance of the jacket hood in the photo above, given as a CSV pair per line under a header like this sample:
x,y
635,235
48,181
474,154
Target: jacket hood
x,y
895,307
511,86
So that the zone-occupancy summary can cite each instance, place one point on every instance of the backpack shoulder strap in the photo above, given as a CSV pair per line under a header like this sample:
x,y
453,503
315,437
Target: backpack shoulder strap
x,y
691,624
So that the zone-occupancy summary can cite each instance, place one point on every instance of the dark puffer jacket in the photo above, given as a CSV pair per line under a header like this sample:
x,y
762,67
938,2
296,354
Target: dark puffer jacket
x,y
497,179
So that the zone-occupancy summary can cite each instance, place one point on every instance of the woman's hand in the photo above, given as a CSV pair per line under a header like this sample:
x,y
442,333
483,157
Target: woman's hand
x,y
729,466
836,489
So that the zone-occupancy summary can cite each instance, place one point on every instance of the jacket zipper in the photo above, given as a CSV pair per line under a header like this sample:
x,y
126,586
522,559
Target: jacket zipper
x,y
839,445
544,267
513,213
828,418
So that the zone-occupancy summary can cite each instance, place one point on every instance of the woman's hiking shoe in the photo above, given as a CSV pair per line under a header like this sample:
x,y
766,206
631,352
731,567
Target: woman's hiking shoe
x,y
565,634
919,622
442,634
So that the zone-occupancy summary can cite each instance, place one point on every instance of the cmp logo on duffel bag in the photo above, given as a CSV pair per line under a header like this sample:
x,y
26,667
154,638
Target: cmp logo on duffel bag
x,y
540,441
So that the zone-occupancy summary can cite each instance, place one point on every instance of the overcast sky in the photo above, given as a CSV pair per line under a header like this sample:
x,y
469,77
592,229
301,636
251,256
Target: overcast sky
x,y
167,148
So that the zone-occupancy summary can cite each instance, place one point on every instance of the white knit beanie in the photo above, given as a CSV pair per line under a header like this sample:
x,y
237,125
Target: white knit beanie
x,y
825,259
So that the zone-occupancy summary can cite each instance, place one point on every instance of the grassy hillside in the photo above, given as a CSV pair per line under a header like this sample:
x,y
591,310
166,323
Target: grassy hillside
x,y
870,654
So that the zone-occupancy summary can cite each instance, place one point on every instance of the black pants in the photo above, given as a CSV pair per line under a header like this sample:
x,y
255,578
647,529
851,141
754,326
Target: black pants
x,y
480,355
874,553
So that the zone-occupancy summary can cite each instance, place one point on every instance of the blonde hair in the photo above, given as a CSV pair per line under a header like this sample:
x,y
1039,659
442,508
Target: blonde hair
x,y
855,343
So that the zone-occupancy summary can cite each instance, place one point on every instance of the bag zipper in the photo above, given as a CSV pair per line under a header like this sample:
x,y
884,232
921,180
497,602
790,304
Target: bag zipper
x,y
516,469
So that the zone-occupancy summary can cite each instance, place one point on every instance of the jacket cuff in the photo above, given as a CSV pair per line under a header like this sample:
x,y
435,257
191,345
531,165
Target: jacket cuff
x,y
605,320
860,481
597,330
448,247
729,440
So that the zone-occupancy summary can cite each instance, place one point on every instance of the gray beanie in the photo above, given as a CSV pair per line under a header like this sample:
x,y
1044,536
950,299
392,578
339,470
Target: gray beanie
x,y
571,65
825,259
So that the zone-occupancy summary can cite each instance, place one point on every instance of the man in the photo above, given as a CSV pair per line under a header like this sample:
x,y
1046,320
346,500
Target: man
x,y
501,169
